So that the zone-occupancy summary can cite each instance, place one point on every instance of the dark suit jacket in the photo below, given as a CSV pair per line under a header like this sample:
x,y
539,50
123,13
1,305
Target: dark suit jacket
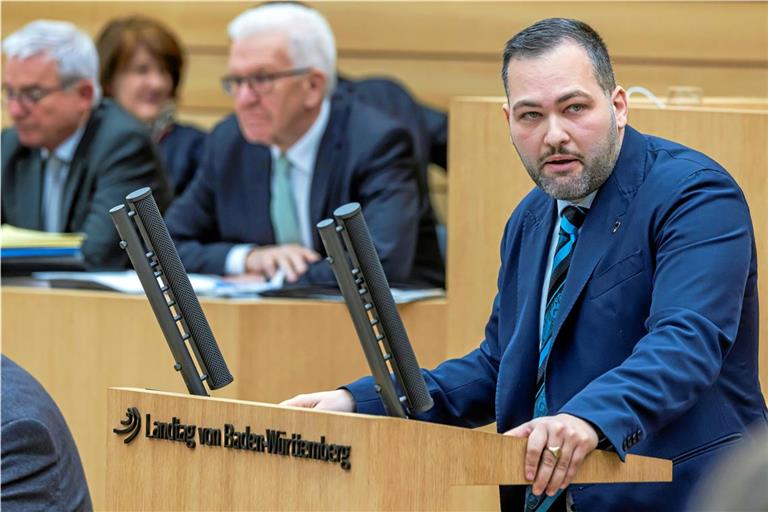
x,y
428,127
181,151
364,156
656,338
41,468
114,157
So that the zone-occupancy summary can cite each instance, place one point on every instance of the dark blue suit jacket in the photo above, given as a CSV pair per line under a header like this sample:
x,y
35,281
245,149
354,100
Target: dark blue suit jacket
x,y
41,469
364,156
181,150
656,341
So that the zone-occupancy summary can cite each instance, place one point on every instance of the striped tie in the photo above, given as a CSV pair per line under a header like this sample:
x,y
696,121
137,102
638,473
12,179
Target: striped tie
x,y
282,206
572,217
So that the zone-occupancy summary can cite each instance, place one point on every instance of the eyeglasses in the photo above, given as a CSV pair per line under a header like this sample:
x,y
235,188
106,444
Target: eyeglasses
x,y
30,96
261,84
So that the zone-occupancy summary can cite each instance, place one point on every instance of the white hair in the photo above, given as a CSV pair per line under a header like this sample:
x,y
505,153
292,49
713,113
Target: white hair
x,y
310,38
71,48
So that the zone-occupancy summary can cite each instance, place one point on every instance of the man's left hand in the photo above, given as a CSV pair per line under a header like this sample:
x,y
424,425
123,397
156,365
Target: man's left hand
x,y
575,438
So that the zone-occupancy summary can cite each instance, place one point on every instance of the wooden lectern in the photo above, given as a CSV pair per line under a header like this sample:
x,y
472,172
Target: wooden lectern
x,y
193,453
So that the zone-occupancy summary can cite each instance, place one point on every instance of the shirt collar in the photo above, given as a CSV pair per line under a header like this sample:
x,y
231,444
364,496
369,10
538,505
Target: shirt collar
x,y
584,203
66,150
303,153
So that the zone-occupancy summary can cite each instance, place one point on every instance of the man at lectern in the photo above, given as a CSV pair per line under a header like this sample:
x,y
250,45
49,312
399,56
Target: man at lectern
x,y
626,316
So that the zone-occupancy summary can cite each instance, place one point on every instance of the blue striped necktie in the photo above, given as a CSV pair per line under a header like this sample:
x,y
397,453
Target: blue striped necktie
x,y
571,219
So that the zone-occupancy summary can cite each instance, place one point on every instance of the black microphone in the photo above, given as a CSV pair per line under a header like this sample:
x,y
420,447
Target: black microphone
x,y
385,342
153,255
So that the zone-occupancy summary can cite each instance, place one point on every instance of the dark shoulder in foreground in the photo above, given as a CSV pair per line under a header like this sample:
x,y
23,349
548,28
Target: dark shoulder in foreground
x,y
41,468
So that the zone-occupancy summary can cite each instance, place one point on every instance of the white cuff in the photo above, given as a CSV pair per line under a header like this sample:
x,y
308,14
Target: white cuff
x,y
235,263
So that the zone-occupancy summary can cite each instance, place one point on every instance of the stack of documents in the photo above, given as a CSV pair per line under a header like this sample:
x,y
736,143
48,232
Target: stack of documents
x,y
23,251
26,243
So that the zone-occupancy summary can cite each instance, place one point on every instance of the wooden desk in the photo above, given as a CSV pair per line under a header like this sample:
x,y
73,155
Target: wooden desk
x,y
79,343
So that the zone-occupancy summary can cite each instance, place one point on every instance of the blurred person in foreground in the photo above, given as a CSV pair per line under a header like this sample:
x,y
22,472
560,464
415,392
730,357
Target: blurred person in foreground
x,y
142,65
40,466
294,151
626,316
737,481
70,156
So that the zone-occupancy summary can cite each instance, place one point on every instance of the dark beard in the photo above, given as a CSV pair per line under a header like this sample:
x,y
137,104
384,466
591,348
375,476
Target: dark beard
x,y
595,172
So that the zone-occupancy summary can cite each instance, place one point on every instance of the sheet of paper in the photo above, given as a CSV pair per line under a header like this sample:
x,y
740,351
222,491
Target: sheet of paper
x,y
128,282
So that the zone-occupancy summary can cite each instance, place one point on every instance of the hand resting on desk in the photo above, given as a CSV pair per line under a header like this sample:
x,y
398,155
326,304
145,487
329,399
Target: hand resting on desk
x,y
339,400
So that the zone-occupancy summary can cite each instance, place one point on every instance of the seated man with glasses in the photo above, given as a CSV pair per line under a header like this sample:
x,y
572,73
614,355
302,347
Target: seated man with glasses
x,y
295,150
69,157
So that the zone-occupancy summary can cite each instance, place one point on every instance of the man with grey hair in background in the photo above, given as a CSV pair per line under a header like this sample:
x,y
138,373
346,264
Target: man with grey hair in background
x,y
295,149
70,156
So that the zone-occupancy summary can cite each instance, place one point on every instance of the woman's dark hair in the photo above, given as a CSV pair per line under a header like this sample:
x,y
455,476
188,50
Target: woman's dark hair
x,y
121,38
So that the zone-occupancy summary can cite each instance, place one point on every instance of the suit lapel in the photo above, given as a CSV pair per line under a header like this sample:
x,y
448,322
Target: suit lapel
x,y
78,168
608,208
77,171
515,394
257,188
328,162
536,239
29,176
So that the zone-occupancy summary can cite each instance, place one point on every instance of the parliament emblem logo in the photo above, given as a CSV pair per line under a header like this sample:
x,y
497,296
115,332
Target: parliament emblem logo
x,y
131,425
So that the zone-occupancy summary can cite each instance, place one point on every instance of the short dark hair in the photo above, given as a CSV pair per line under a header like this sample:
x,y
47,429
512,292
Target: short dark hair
x,y
545,35
122,37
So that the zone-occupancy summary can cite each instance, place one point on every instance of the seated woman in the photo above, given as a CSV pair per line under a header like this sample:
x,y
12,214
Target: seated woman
x,y
141,64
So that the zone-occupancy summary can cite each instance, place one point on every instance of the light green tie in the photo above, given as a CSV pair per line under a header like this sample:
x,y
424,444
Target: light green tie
x,y
282,208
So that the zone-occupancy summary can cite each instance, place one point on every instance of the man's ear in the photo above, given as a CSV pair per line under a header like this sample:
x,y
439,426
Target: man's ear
x,y
507,113
620,106
85,91
314,86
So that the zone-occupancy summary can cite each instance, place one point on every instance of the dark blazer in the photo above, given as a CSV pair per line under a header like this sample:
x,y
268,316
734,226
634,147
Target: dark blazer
x,y
114,157
656,341
181,151
364,156
428,126
41,468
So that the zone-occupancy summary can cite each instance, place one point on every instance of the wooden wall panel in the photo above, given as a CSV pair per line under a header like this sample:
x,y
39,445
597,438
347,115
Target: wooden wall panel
x,y
450,49
707,31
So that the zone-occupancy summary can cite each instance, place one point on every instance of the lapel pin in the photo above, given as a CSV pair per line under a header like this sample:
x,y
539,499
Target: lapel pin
x,y
616,226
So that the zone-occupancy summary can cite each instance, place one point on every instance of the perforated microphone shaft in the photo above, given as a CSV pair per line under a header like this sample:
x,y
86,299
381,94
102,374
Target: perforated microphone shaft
x,y
176,276
351,217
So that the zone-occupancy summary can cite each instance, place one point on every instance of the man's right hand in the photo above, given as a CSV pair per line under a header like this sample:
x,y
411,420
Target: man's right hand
x,y
294,260
339,400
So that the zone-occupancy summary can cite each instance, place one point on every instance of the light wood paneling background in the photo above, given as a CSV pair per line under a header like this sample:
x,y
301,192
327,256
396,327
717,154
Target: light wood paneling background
x,y
445,49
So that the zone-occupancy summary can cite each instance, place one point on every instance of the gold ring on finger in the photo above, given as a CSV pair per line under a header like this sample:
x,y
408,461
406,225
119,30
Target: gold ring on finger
x,y
556,451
